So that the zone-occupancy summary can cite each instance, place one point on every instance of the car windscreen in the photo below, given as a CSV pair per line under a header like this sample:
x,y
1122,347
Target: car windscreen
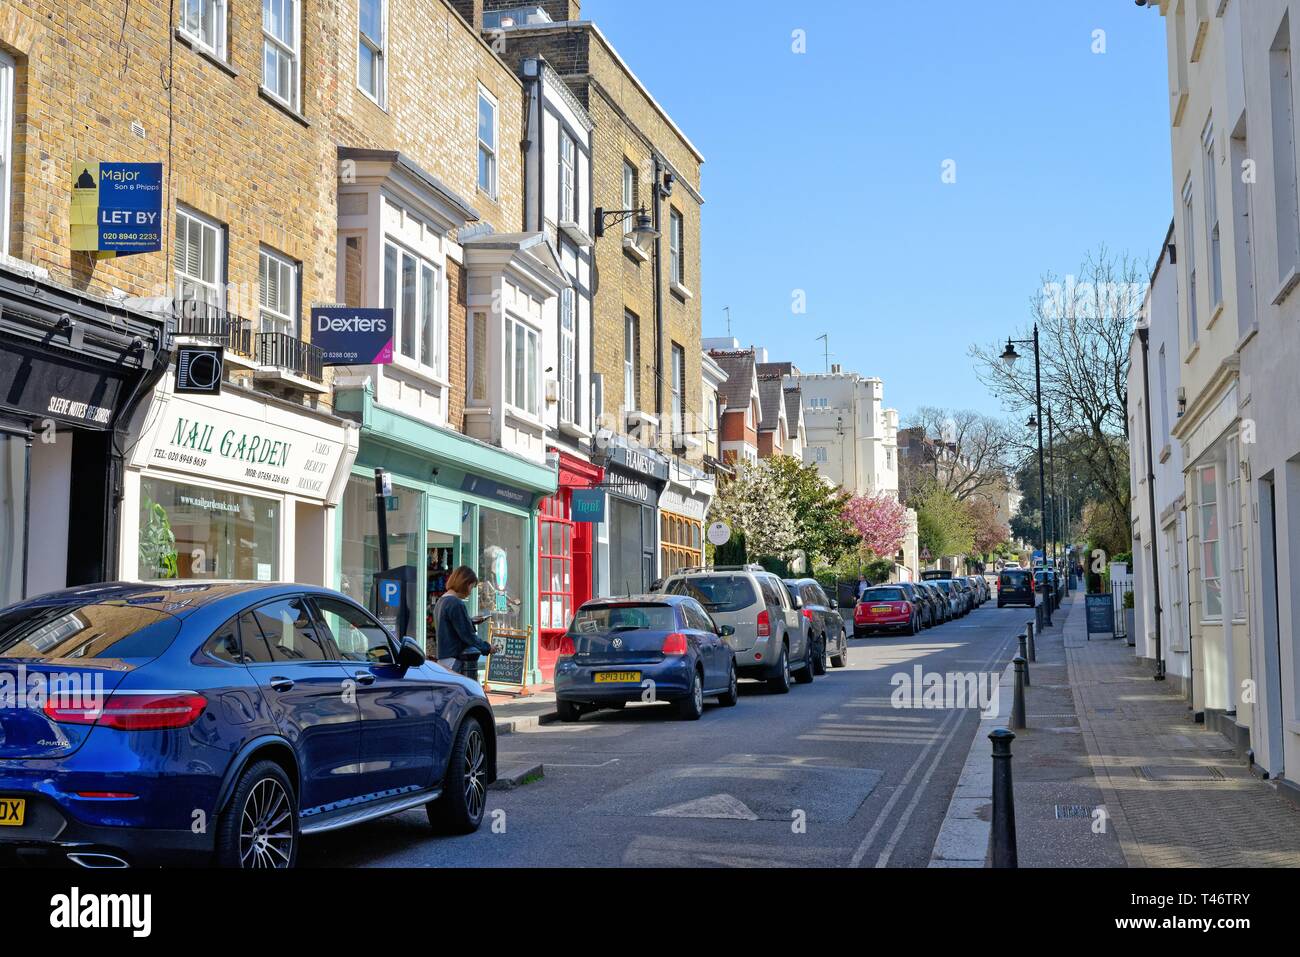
x,y
717,593
624,616
91,631
884,594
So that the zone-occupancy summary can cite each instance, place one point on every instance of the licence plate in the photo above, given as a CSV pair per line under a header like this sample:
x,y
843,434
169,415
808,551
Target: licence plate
x,y
616,677
11,811
880,609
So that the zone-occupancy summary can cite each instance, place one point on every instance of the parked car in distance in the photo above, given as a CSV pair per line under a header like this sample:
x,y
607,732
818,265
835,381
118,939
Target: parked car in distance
x,y
822,616
967,593
616,649
770,641
885,608
949,591
1015,587
981,588
939,600
226,698
925,614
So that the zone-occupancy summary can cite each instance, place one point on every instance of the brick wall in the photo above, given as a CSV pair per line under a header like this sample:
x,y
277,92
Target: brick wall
x,y
456,328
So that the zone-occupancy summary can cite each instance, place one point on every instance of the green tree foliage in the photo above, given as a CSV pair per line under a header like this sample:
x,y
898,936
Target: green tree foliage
x,y
821,532
943,524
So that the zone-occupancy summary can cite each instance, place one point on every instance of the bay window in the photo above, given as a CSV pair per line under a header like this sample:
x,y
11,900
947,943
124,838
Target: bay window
x,y
568,163
567,351
1211,572
411,290
521,346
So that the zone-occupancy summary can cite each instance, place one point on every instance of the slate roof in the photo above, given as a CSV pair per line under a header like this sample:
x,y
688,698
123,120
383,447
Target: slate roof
x,y
793,408
739,366
769,403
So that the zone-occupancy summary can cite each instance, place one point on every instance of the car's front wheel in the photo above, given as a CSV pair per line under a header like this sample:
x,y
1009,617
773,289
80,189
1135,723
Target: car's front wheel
x,y
819,657
260,828
463,802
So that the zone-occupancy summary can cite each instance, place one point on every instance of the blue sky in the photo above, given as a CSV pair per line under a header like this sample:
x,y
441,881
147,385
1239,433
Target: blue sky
x,y
823,169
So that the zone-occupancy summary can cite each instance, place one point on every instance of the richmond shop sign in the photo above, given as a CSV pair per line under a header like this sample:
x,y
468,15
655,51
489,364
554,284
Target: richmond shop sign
x,y
212,443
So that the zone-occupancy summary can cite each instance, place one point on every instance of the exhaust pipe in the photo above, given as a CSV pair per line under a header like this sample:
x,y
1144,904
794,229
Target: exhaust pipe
x,y
98,861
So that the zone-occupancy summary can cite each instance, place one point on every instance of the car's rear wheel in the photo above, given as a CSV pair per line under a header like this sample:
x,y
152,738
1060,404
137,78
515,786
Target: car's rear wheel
x,y
691,707
911,625
779,683
729,697
463,802
260,828
568,710
842,659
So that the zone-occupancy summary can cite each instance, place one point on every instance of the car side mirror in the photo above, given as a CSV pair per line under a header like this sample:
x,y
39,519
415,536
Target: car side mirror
x,y
834,604
410,655
726,631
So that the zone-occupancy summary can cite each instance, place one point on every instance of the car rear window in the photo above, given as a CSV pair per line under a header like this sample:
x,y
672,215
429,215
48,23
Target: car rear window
x,y
1015,579
601,619
717,593
884,594
107,631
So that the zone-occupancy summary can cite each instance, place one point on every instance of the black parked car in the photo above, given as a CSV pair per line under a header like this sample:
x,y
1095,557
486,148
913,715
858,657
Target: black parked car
x,y
921,599
826,626
1015,587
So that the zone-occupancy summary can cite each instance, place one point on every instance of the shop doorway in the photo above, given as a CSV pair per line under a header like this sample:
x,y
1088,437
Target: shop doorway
x,y
442,554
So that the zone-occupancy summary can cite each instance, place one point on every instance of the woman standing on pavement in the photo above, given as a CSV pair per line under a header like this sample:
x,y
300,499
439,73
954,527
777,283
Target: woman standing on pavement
x,y
459,645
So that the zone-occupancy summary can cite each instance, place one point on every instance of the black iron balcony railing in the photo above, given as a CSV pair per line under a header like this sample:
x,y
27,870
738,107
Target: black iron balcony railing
x,y
283,351
211,323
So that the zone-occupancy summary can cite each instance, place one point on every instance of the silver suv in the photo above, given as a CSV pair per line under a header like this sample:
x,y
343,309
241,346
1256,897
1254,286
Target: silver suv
x,y
770,641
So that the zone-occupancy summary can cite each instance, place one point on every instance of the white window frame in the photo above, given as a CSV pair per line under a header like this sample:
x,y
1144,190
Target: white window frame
x,y
1189,262
819,453
1211,200
1204,511
197,10
7,108
1177,583
292,50
490,150
1236,530
430,332
676,227
271,319
631,357
209,231
514,333
568,178
629,194
568,352
379,47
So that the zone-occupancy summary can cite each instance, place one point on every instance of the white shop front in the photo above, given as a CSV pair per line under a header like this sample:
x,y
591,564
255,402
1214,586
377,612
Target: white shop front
x,y
237,486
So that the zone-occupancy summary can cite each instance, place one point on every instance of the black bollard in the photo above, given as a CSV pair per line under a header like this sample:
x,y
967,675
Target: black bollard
x,y
1018,695
1024,655
1033,652
1004,801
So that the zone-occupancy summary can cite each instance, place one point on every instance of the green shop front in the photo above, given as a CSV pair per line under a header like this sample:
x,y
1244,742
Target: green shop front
x,y
454,501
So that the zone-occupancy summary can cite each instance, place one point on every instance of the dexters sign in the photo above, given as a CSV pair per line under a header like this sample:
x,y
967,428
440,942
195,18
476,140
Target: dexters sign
x,y
353,337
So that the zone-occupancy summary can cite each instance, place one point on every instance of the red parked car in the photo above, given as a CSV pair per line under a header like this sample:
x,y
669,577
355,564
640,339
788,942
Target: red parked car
x,y
885,608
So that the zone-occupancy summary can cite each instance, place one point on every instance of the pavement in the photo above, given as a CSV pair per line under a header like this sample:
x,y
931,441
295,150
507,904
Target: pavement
x,y
835,773
1112,771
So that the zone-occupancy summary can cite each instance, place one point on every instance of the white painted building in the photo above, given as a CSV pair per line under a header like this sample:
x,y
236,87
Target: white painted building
x,y
851,437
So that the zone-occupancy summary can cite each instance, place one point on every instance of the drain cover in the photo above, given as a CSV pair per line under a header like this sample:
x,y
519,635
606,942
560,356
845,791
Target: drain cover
x,y
1203,773
1072,810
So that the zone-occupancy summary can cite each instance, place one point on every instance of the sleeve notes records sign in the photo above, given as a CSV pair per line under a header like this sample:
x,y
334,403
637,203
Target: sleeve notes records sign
x,y
116,208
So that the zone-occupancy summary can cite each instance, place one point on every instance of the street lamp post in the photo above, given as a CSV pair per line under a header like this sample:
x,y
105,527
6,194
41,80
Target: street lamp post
x,y
1009,356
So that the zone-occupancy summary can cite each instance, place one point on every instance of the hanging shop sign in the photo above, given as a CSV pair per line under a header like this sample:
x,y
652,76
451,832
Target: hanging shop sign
x,y
587,505
719,533
352,337
116,208
199,439
645,463
199,369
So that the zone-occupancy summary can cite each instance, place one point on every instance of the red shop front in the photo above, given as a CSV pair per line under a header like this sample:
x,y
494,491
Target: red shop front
x,y
564,563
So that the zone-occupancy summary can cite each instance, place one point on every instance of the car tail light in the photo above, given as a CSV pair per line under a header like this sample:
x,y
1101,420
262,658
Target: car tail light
x,y
675,644
566,646
807,613
134,711
764,624
907,607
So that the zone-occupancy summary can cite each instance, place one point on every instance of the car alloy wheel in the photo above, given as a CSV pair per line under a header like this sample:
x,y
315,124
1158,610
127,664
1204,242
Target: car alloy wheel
x,y
475,772
266,827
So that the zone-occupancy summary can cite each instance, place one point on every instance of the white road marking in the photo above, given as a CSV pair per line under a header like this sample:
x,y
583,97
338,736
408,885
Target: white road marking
x,y
721,806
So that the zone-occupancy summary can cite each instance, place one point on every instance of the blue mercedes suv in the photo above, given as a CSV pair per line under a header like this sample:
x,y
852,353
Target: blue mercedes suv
x,y
223,721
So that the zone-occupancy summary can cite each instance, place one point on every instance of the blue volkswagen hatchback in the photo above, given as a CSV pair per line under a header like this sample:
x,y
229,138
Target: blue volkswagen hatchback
x,y
617,649
223,721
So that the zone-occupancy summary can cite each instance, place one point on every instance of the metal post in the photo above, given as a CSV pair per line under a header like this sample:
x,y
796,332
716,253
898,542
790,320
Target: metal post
x,y
1033,652
1024,653
1018,697
381,512
1042,477
1004,800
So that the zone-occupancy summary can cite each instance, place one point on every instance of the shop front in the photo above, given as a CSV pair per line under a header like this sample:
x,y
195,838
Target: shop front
x,y
241,485
73,371
629,538
565,550
454,501
682,510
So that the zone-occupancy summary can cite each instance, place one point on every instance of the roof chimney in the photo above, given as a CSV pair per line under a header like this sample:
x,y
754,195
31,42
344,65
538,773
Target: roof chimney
x,y
836,368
